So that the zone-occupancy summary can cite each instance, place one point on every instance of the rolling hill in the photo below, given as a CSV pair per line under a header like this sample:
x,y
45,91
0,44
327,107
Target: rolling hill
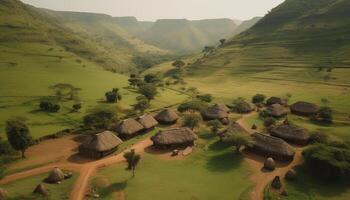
x,y
245,25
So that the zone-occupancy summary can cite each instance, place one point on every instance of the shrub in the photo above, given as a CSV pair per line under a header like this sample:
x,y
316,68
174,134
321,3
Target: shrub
x,y
151,78
238,140
319,137
325,115
142,104
49,106
192,120
269,121
264,114
214,125
192,105
148,90
241,106
99,119
76,107
205,98
258,98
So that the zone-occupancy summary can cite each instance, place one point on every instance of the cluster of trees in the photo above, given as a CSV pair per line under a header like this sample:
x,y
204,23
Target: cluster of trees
x,y
99,118
194,105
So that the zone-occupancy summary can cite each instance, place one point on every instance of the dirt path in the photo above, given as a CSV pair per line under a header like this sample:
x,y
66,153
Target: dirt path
x,y
242,123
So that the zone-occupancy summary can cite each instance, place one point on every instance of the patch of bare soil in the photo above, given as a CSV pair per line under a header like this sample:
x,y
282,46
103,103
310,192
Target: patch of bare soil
x,y
120,195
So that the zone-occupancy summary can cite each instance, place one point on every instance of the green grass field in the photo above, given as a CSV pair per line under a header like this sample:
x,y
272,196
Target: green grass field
x,y
25,187
213,171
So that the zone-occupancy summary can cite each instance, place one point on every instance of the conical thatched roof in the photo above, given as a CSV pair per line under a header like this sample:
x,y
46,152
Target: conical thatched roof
x,y
304,108
129,127
148,121
271,147
101,142
277,110
217,111
41,189
233,129
167,116
56,175
174,136
3,193
275,100
291,133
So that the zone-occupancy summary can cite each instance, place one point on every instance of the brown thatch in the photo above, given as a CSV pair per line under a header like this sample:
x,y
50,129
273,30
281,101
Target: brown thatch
x,y
147,121
167,116
217,111
41,190
129,127
3,193
100,145
55,176
304,108
291,133
277,110
276,183
270,164
233,129
271,147
275,100
174,137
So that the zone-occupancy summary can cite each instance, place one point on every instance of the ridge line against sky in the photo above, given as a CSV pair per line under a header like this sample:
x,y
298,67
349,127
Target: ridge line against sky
x,y
151,10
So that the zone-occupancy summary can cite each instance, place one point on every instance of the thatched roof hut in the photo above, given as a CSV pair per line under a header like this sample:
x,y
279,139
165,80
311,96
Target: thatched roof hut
x,y
174,137
217,111
55,176
269,164
304,108
233,129
3,193
100,145
41,190
291,133
167,116
269,146
275,100
147,121
129,127
276,183
277,110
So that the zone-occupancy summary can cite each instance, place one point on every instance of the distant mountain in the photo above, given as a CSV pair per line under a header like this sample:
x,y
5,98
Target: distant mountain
x,y
245,25
181,35
132,25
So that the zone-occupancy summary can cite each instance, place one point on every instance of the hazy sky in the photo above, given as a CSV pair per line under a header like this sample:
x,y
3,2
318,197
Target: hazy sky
x,y
161,9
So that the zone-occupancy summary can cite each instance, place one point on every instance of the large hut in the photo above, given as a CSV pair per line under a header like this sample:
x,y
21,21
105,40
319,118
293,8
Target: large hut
x,y
175,137
128,128
275,100
291,133
304,108
41,190
269,146
100,145
55,176
167,116
217,111
277,110
148,121
3,193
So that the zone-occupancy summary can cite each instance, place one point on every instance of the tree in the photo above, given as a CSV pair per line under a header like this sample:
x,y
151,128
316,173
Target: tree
x,y
132,159
99,118
18,135
148,90
151,78
192,120
238,140
49,106
222,42
239,105
258,98
142,104
113,96
76,107
134,80
205,98
179,64
214,125
192,106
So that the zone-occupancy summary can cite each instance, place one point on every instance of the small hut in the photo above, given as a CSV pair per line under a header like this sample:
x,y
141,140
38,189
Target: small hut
x,y
148,121
276,183
233,129
128,128
167,116
55,176
217,111
3,193
277,110
275,100
291,133
270,164
41,190
100,145
269,146
176,137
304,108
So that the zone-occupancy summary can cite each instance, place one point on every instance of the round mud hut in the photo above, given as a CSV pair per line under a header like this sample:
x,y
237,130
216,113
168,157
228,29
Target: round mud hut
x,y
41,190
277,110
304,108
148,122
291,133
3,194
217,111
167,116
55,176
128,128
275,100
100,145
269,146
174,138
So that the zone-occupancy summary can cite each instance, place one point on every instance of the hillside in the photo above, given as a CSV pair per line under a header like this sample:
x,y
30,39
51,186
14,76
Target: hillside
x,y
132,25
245,25
181,35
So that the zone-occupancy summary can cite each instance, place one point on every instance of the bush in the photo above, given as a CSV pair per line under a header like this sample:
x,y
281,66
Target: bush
x,y
192,120
214,125
264,114
325,115
205,98
192,105
99,119
49,106
258,98
113,96
151,78
238,140
148,90
6,148
319,137
328,162
241,106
